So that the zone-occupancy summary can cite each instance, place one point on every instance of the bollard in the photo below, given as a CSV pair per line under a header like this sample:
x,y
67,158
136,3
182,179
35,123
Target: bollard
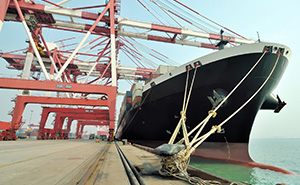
x,y
124,141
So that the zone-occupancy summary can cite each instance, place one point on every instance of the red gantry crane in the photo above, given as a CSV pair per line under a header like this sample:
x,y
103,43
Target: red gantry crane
x,y
60,118
84,68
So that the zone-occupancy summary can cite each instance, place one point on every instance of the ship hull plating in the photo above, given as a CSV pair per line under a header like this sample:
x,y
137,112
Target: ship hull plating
x,y
156,118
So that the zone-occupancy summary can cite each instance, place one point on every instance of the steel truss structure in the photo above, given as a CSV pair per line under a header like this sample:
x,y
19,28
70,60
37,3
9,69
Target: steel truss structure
x,y
89,68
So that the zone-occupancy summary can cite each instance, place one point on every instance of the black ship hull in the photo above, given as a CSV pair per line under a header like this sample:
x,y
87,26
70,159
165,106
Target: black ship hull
x,y
153,122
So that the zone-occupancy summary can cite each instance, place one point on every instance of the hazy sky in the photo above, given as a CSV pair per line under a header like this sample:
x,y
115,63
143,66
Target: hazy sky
x,y
276,21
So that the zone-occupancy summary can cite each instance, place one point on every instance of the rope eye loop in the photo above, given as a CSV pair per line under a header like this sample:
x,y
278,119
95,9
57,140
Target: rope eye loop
x,y
212,112
218,128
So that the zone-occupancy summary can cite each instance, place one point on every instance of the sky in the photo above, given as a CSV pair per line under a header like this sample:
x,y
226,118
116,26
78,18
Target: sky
x,y
274,20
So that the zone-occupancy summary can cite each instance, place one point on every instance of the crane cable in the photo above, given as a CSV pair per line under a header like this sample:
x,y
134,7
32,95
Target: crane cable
x,y
209,19
166,12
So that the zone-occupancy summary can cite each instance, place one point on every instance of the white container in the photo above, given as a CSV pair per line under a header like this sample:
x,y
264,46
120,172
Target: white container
x,y
137,91
164,69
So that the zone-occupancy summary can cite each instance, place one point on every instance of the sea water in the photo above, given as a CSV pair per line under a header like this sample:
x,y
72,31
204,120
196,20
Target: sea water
x,y
283,153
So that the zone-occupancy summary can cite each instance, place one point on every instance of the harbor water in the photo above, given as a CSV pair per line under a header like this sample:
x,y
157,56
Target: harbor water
x,y
283,153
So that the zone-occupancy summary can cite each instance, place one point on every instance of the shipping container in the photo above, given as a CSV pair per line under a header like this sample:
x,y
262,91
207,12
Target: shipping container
x,y
137,91
164,69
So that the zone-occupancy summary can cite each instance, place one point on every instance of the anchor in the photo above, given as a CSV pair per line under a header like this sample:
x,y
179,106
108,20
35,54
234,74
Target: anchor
x,y
216,99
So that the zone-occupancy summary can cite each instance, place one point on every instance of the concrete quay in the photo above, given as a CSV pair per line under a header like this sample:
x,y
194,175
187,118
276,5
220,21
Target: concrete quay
x,y
70,162
44,161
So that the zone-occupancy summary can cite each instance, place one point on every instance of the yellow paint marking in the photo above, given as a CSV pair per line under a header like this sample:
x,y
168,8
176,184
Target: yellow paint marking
x,y
6,165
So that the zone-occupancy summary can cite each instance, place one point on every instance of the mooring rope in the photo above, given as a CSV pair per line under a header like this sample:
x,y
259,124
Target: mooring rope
x,y
242,106
212,113
186,100
176,165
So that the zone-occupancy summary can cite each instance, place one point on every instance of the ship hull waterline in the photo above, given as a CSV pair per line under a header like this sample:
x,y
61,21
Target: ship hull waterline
x,y
152,123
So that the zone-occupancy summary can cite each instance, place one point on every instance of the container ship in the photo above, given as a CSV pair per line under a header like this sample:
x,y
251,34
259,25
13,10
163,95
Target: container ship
x,y
150,112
